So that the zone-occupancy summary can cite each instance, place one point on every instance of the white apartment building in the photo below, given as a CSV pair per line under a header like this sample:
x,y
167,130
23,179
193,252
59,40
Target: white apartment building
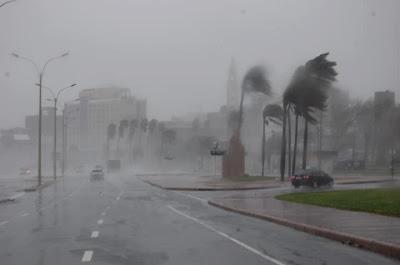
x,y
87,118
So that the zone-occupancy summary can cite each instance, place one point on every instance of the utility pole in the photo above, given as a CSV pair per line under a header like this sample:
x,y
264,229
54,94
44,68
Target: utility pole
x,y
40,72
63,144
55,100
40,131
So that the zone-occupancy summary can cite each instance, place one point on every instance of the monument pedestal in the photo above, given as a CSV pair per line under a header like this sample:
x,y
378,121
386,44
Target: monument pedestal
x,y
233,160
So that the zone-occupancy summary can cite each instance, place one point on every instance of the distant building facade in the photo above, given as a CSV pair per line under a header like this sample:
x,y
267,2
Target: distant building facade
x,y
87,118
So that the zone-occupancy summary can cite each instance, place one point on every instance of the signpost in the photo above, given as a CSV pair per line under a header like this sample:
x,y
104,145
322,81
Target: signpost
x,y
216,152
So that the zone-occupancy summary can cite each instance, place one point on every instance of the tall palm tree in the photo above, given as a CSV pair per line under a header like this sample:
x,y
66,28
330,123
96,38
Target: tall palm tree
x,y
133,124
144,123
6,2
255,80
168,137
111,131
292,96
271,113
320,73
152,127
306,93
121,131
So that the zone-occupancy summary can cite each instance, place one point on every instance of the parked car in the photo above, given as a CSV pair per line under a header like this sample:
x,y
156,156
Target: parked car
x,y
97,173
311,177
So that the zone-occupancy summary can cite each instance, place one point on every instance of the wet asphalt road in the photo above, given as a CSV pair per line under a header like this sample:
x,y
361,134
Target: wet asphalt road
x,y
123,220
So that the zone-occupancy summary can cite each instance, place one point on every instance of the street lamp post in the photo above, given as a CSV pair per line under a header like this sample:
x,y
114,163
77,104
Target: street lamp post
x,y
40,72
55,101
64,141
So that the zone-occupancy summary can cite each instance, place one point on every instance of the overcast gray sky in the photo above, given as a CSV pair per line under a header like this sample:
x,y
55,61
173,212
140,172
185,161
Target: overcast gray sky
x,y
176,52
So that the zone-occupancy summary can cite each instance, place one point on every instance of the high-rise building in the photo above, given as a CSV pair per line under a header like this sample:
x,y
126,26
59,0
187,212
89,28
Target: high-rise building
x,y
383,102
232,88
87,118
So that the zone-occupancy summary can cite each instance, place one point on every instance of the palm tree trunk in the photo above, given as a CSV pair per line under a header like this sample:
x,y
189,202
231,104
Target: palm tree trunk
x,y
289,121
295,144
283,144
118,151
366,148
263,149
108,149
305,140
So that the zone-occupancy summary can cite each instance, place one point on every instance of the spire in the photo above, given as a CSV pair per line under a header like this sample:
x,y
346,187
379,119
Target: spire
x,y
232,88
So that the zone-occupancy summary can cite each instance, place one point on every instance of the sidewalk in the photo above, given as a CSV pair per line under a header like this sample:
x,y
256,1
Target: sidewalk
x,y
373,232
11,185
207,183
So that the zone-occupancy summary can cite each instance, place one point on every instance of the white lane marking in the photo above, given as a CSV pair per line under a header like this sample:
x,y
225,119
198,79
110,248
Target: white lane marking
x,y
194,197
87,256
204,201
17,195
100,222
249,248
103,213
3,223
24,214
95,234
118,198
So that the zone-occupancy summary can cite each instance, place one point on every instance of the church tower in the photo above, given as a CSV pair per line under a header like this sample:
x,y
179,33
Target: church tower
x,y
232,88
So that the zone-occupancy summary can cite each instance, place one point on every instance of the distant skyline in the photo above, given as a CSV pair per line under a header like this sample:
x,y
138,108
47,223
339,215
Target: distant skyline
x,y
176,53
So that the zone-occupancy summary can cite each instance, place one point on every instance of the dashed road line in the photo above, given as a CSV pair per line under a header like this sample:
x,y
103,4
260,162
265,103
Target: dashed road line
x,y
95,234
24,214
3,223
103,213
191,196
234,240
100,222
87,256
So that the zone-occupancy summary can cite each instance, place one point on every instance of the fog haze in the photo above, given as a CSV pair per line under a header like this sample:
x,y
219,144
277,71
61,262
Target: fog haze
x,y
176,53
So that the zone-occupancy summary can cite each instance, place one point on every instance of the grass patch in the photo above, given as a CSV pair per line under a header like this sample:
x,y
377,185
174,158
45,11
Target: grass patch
x,y
253,178
378,201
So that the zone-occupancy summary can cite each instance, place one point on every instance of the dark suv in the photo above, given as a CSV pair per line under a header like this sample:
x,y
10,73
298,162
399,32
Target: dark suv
x,y
311,177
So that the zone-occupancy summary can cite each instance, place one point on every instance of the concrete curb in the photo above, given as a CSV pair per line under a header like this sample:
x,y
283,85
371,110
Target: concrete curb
x,y
364,181
36,188
6,200
208,188
384,248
